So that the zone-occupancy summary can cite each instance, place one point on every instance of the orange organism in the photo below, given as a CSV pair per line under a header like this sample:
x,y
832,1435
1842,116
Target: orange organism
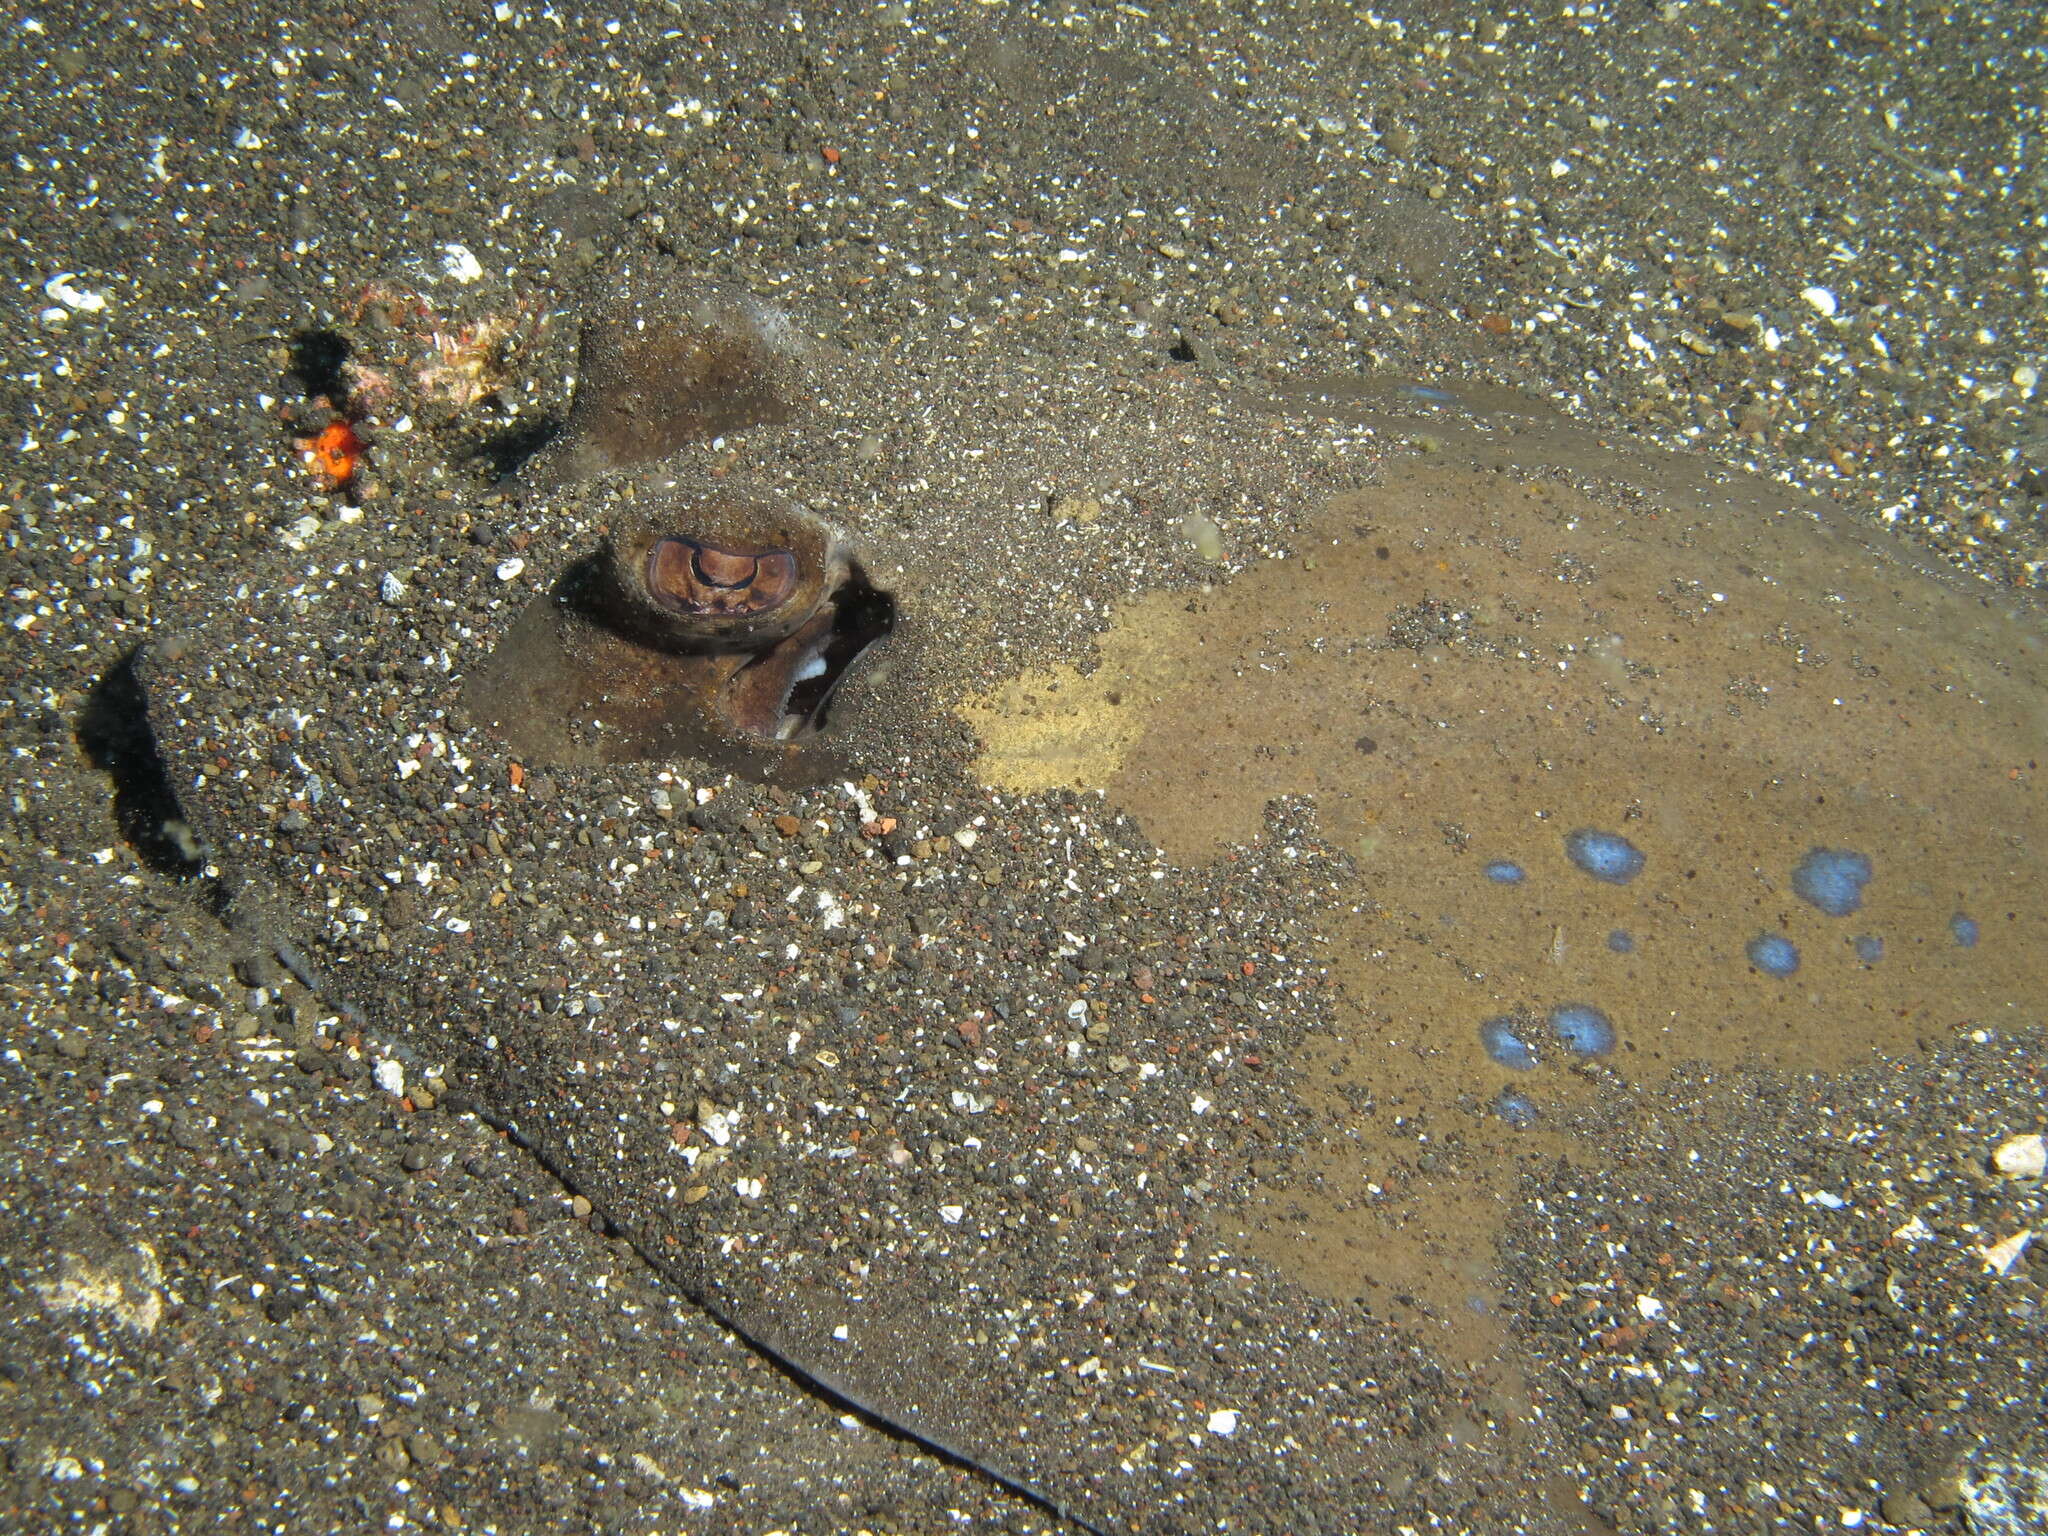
x,y
335,455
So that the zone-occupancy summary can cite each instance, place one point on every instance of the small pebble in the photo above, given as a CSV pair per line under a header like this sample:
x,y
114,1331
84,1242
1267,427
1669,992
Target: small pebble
x,y
1904,1510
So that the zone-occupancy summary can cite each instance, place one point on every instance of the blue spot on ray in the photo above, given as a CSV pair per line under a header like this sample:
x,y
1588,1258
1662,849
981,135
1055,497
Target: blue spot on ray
x,y
1604,855
1515,1107
1832,879
1964,930
1504,1042
1622,942
1773,954
1505,872
1869,948
1582,1029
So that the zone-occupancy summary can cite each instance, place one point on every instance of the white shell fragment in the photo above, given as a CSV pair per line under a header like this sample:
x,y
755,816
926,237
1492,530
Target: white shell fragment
x,y
1822,300
459,263
2000,1257
78,300
2022,1157
717,1124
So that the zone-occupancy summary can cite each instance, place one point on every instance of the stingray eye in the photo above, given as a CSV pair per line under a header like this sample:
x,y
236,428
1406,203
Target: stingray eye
x,y
692,577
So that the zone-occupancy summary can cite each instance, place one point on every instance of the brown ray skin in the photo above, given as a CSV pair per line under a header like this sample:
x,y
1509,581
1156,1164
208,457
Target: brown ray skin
x,y
662,363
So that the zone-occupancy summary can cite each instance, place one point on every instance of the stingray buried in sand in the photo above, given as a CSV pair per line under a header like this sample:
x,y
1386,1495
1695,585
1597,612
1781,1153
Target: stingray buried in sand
x,y
957,1117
